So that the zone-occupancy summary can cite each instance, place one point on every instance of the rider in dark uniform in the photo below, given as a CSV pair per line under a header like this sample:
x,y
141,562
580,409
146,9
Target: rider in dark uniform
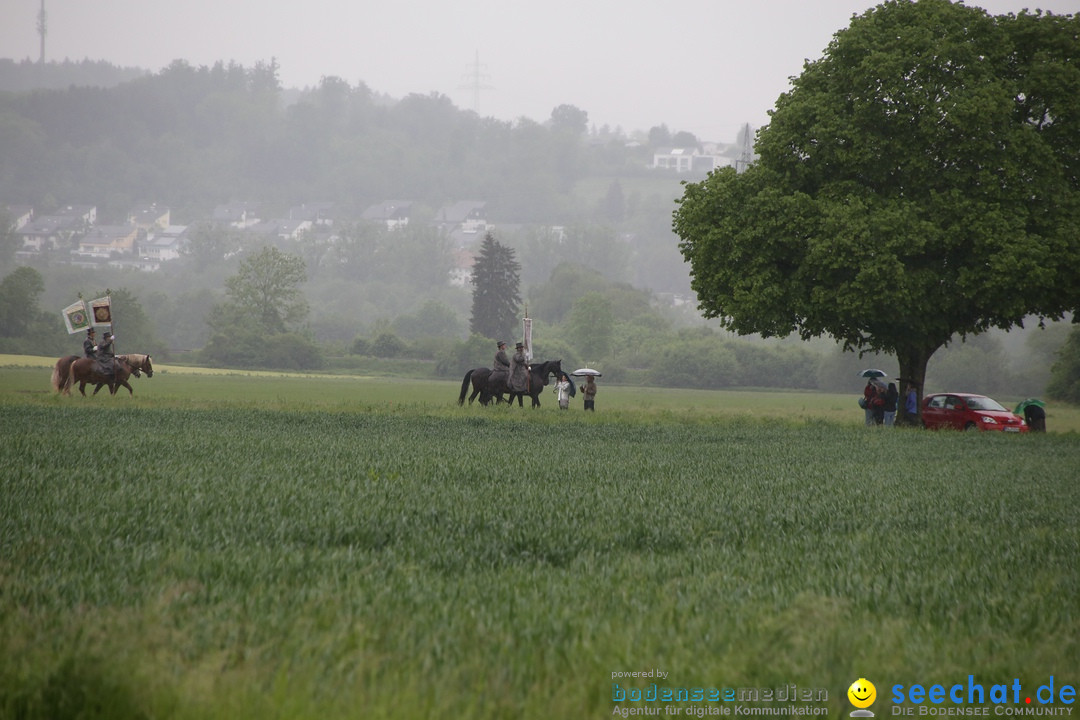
x,y
519,371
89,345
501,366
106,356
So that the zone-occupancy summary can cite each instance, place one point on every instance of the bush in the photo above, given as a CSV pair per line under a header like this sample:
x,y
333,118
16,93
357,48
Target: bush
x,y
361,346
388,345
456,360
245,348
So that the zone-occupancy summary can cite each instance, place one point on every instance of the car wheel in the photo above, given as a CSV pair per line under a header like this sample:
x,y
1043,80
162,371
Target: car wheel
x,y
971,426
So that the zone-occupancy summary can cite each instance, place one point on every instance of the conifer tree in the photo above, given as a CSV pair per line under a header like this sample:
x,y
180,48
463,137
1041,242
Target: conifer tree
x,y
496,295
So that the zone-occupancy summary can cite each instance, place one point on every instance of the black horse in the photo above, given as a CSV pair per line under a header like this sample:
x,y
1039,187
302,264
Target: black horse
x,y
487,387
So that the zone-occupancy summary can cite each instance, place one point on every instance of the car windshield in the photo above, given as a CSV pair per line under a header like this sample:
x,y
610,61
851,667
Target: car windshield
x,y
985,403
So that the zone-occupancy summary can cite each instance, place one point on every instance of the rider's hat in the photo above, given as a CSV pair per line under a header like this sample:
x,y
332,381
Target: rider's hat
x,y
501,344
520,345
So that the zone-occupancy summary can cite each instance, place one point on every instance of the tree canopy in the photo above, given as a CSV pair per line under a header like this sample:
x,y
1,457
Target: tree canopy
x,y
919,181
260,324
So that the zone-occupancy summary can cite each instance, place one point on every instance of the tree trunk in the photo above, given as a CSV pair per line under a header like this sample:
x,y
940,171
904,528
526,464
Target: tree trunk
x,y
913,361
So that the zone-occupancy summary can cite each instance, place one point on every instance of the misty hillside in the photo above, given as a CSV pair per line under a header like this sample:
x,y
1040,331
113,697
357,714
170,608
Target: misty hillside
x,y
192,138
559,191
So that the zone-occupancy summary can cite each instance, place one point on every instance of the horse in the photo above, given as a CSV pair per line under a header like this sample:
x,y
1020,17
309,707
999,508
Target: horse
x,y
71,369
487,388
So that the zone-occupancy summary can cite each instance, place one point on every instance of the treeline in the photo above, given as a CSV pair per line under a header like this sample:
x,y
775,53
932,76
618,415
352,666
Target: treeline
x,y
26,75
194,137
579,317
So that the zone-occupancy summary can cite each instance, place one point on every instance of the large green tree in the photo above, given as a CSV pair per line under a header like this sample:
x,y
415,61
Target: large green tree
x,y
918,182
260,323
496,296
266,291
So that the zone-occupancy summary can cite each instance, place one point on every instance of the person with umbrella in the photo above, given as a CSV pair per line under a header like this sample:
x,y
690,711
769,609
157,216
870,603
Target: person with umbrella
x,y
589,388
873,402
1034,411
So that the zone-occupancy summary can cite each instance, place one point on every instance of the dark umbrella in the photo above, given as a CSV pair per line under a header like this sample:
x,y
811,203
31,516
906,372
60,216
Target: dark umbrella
x,y
873,373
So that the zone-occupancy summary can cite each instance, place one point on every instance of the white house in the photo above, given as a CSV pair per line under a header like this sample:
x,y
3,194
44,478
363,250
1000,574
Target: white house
x,y
393,213
105,240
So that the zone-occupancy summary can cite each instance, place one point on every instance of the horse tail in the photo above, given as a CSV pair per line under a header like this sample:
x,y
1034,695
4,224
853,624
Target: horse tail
x,y
70,379
464,388
56,381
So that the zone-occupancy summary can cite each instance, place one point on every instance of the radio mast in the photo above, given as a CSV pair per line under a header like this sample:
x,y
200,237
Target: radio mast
x,y
42,28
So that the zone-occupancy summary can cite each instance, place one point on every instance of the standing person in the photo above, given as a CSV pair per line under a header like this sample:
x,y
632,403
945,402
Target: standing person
x,y
589,390
562,391
1035,417
89,345
878,403
911,405
892,400
869,393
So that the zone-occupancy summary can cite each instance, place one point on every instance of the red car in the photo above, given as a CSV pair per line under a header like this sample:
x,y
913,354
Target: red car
x,y
964,411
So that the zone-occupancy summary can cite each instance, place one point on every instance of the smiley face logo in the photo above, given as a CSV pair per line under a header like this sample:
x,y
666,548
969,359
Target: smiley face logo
x,y
862,693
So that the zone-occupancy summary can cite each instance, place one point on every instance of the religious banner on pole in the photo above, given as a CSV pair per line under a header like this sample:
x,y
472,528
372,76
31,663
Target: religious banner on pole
x,y
101,311
526,336
76,317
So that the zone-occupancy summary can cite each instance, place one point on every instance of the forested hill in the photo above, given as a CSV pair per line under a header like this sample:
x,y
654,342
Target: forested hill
x,y
26,75
193,137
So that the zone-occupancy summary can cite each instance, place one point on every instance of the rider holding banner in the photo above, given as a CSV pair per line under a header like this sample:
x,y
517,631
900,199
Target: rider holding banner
x,y
519,371
106,355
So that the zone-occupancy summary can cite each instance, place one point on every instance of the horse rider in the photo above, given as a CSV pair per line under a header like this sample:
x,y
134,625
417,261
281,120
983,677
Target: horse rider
x,y
89,345
502,365
106,355
519,371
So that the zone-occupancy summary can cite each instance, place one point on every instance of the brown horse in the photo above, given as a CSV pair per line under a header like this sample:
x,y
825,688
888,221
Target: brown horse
x,y
70,370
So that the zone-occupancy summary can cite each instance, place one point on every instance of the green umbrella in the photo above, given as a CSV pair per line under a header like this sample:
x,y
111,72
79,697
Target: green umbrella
x,y
1030,401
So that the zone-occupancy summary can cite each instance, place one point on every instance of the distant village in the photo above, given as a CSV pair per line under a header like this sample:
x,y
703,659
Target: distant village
x,y
148,238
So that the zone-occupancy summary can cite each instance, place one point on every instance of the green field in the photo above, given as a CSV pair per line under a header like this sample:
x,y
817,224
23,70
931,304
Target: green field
x,y
269,546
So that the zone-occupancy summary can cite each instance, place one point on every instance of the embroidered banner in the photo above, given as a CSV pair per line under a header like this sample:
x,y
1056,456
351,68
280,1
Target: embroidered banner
x,y
526,333
101,311
76,317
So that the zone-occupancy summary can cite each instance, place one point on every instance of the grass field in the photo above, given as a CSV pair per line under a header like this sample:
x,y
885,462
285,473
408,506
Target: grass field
x,y
269,546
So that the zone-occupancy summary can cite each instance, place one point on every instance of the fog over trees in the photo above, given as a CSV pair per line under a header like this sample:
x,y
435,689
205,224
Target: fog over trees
x,y
585,209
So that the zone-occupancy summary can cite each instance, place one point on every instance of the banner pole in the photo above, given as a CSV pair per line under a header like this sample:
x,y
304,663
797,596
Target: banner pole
x,y
112,318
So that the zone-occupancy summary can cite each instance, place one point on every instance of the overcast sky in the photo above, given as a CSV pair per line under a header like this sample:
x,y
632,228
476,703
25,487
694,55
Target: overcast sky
x,y
706,66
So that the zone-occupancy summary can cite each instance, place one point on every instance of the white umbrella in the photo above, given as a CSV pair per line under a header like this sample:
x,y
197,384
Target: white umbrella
x,y
586,371
872,373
